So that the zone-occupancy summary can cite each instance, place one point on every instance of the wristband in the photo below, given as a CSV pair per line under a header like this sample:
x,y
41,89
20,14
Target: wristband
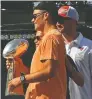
x,y
22,78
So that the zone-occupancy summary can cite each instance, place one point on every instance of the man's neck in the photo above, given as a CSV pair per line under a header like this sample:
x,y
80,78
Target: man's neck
x,y
48,27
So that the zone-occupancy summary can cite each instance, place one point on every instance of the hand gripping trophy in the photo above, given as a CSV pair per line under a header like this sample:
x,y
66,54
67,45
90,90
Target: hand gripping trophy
x,y
14,48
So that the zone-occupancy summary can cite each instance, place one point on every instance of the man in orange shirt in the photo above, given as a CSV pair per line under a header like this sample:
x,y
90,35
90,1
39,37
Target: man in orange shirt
x,y
47,78
71,68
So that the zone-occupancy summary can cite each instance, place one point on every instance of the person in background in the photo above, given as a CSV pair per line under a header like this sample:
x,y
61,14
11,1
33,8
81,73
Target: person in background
x,y
38,38
47,78
79,49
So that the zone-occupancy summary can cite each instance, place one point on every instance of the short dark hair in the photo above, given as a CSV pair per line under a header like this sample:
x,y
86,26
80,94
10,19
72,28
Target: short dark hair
x,y
50,7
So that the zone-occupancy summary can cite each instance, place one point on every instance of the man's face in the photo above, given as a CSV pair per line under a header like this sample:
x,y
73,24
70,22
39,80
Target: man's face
x,y
65,25
38,19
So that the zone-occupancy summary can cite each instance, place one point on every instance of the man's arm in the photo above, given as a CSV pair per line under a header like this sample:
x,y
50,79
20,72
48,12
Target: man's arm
x,y
42,75
72,70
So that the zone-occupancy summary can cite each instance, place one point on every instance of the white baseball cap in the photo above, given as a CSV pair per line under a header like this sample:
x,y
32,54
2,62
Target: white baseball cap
x,y
68,12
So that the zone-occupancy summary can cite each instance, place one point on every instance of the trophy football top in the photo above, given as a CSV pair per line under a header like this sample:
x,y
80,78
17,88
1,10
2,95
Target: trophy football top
x,y
15,48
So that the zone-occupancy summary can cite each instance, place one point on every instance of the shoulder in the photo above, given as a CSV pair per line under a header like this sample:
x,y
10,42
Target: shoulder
x,y
53,39
54,35
86,42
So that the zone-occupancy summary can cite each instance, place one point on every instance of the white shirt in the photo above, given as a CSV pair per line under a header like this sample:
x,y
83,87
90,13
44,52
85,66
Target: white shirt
x,y
80,51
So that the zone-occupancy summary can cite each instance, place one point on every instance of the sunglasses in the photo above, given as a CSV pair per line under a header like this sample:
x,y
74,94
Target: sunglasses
x,y
38,38
37,15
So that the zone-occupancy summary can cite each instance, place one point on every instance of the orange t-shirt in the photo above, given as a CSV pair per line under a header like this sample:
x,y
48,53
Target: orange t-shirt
x,y
51,47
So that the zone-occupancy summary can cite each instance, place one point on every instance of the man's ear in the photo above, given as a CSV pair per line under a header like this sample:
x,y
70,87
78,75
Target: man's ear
x,y
62,26
46,15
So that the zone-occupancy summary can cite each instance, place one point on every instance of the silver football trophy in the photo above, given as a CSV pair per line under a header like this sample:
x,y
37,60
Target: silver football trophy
x,y
14,48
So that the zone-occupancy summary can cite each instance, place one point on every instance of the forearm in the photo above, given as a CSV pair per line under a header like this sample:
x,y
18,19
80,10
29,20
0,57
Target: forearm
x,y
78,78
41,75
73,72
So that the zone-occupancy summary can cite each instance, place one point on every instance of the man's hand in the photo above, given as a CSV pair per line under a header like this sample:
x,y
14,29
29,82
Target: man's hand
x,y
9,62
14,83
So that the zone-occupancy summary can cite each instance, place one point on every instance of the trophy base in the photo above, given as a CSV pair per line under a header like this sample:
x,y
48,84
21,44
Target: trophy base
x,y
14,97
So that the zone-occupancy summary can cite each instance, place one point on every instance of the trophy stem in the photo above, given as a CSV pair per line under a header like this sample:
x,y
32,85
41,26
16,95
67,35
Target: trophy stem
x,y
10,76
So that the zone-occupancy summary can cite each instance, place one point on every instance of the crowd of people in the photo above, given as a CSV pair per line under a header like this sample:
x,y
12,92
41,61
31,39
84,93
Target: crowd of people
x,y
61,67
